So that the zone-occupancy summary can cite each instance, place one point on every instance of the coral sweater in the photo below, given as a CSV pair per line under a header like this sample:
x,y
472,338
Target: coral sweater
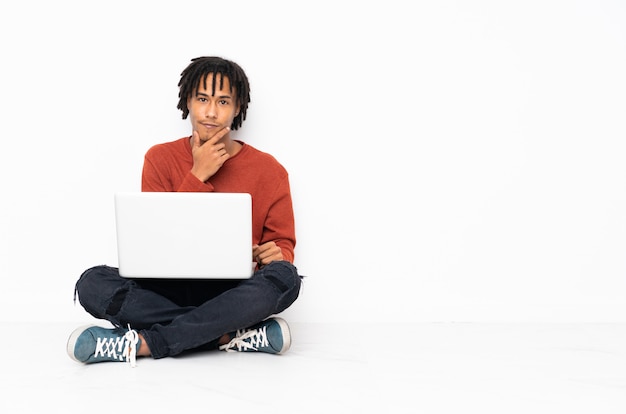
x,y
167,167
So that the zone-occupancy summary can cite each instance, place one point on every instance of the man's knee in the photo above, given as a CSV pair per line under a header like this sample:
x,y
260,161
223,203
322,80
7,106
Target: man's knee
x,y
284,276
97,288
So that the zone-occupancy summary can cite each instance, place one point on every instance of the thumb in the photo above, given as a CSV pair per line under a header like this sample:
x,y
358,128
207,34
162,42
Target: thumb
x,y
195,139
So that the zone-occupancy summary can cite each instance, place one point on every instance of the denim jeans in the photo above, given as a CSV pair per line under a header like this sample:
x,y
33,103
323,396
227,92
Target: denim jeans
x,y
180,315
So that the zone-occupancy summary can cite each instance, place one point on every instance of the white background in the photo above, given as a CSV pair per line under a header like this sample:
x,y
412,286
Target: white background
x,y
449,160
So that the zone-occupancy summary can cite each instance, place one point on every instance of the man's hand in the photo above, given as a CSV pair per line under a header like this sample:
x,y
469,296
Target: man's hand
x,y
208,156
266,253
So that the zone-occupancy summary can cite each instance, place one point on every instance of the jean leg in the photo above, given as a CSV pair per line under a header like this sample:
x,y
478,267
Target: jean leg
x,y
271,290
106,295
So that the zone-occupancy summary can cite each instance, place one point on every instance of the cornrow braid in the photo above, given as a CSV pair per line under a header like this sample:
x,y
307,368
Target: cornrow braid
x,y
198,70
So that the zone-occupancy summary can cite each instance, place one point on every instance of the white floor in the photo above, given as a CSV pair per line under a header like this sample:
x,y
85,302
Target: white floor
x,y
419,368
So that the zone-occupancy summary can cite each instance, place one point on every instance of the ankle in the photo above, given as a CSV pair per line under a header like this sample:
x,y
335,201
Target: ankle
x,y
224,339
144,349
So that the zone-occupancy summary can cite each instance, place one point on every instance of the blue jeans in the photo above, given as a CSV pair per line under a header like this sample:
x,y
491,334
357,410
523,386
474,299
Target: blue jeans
x,y
180,315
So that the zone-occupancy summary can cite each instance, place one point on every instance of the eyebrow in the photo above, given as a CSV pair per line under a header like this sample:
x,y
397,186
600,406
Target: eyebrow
x,y
198,93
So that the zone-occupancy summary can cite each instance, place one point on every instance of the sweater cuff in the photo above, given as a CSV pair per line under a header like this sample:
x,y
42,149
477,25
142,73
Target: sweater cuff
x,y
192,184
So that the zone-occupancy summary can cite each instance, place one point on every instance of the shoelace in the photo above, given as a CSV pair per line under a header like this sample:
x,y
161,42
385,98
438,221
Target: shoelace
x,y
122,347
247,340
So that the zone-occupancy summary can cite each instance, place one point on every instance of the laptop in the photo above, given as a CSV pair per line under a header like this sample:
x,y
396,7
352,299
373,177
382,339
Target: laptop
x,y
184,235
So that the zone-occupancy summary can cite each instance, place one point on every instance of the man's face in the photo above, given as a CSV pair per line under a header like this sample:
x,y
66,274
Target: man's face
x,y
210,111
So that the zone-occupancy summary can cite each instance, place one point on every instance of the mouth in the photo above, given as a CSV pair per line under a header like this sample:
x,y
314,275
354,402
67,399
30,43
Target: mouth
x,y
209,126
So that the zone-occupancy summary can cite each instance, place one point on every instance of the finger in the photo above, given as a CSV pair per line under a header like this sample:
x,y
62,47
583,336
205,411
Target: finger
x,y
261,252
218,135
268,252
195,139
257,258
262,249
255,252
220,148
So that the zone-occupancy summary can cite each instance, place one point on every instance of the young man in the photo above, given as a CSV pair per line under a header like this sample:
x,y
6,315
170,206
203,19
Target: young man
x,y
164,317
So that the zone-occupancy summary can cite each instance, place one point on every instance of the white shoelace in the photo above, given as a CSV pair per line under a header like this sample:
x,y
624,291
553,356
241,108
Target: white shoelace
x,y
124,347
247,340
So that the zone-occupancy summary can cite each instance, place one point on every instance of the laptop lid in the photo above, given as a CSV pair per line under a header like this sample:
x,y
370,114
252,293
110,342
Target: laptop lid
x,y
184,235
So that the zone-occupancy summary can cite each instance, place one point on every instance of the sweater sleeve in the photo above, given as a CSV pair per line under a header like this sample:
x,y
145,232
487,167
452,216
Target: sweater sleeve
x,y
162,174
279,224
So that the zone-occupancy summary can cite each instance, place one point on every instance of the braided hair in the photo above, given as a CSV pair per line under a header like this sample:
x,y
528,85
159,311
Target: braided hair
x,y
198,70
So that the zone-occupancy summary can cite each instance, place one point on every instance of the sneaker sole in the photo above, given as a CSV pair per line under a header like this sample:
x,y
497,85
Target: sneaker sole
x,y
71,342
286,337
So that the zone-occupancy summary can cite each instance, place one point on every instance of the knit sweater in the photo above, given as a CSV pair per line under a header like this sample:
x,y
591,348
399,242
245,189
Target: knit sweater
x,y
167,167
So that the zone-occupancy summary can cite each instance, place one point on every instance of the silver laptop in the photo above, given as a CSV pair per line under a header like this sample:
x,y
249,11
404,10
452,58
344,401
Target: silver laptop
x,y
184,235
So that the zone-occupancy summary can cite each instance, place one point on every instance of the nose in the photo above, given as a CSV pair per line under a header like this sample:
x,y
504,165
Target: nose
x,y
211,110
